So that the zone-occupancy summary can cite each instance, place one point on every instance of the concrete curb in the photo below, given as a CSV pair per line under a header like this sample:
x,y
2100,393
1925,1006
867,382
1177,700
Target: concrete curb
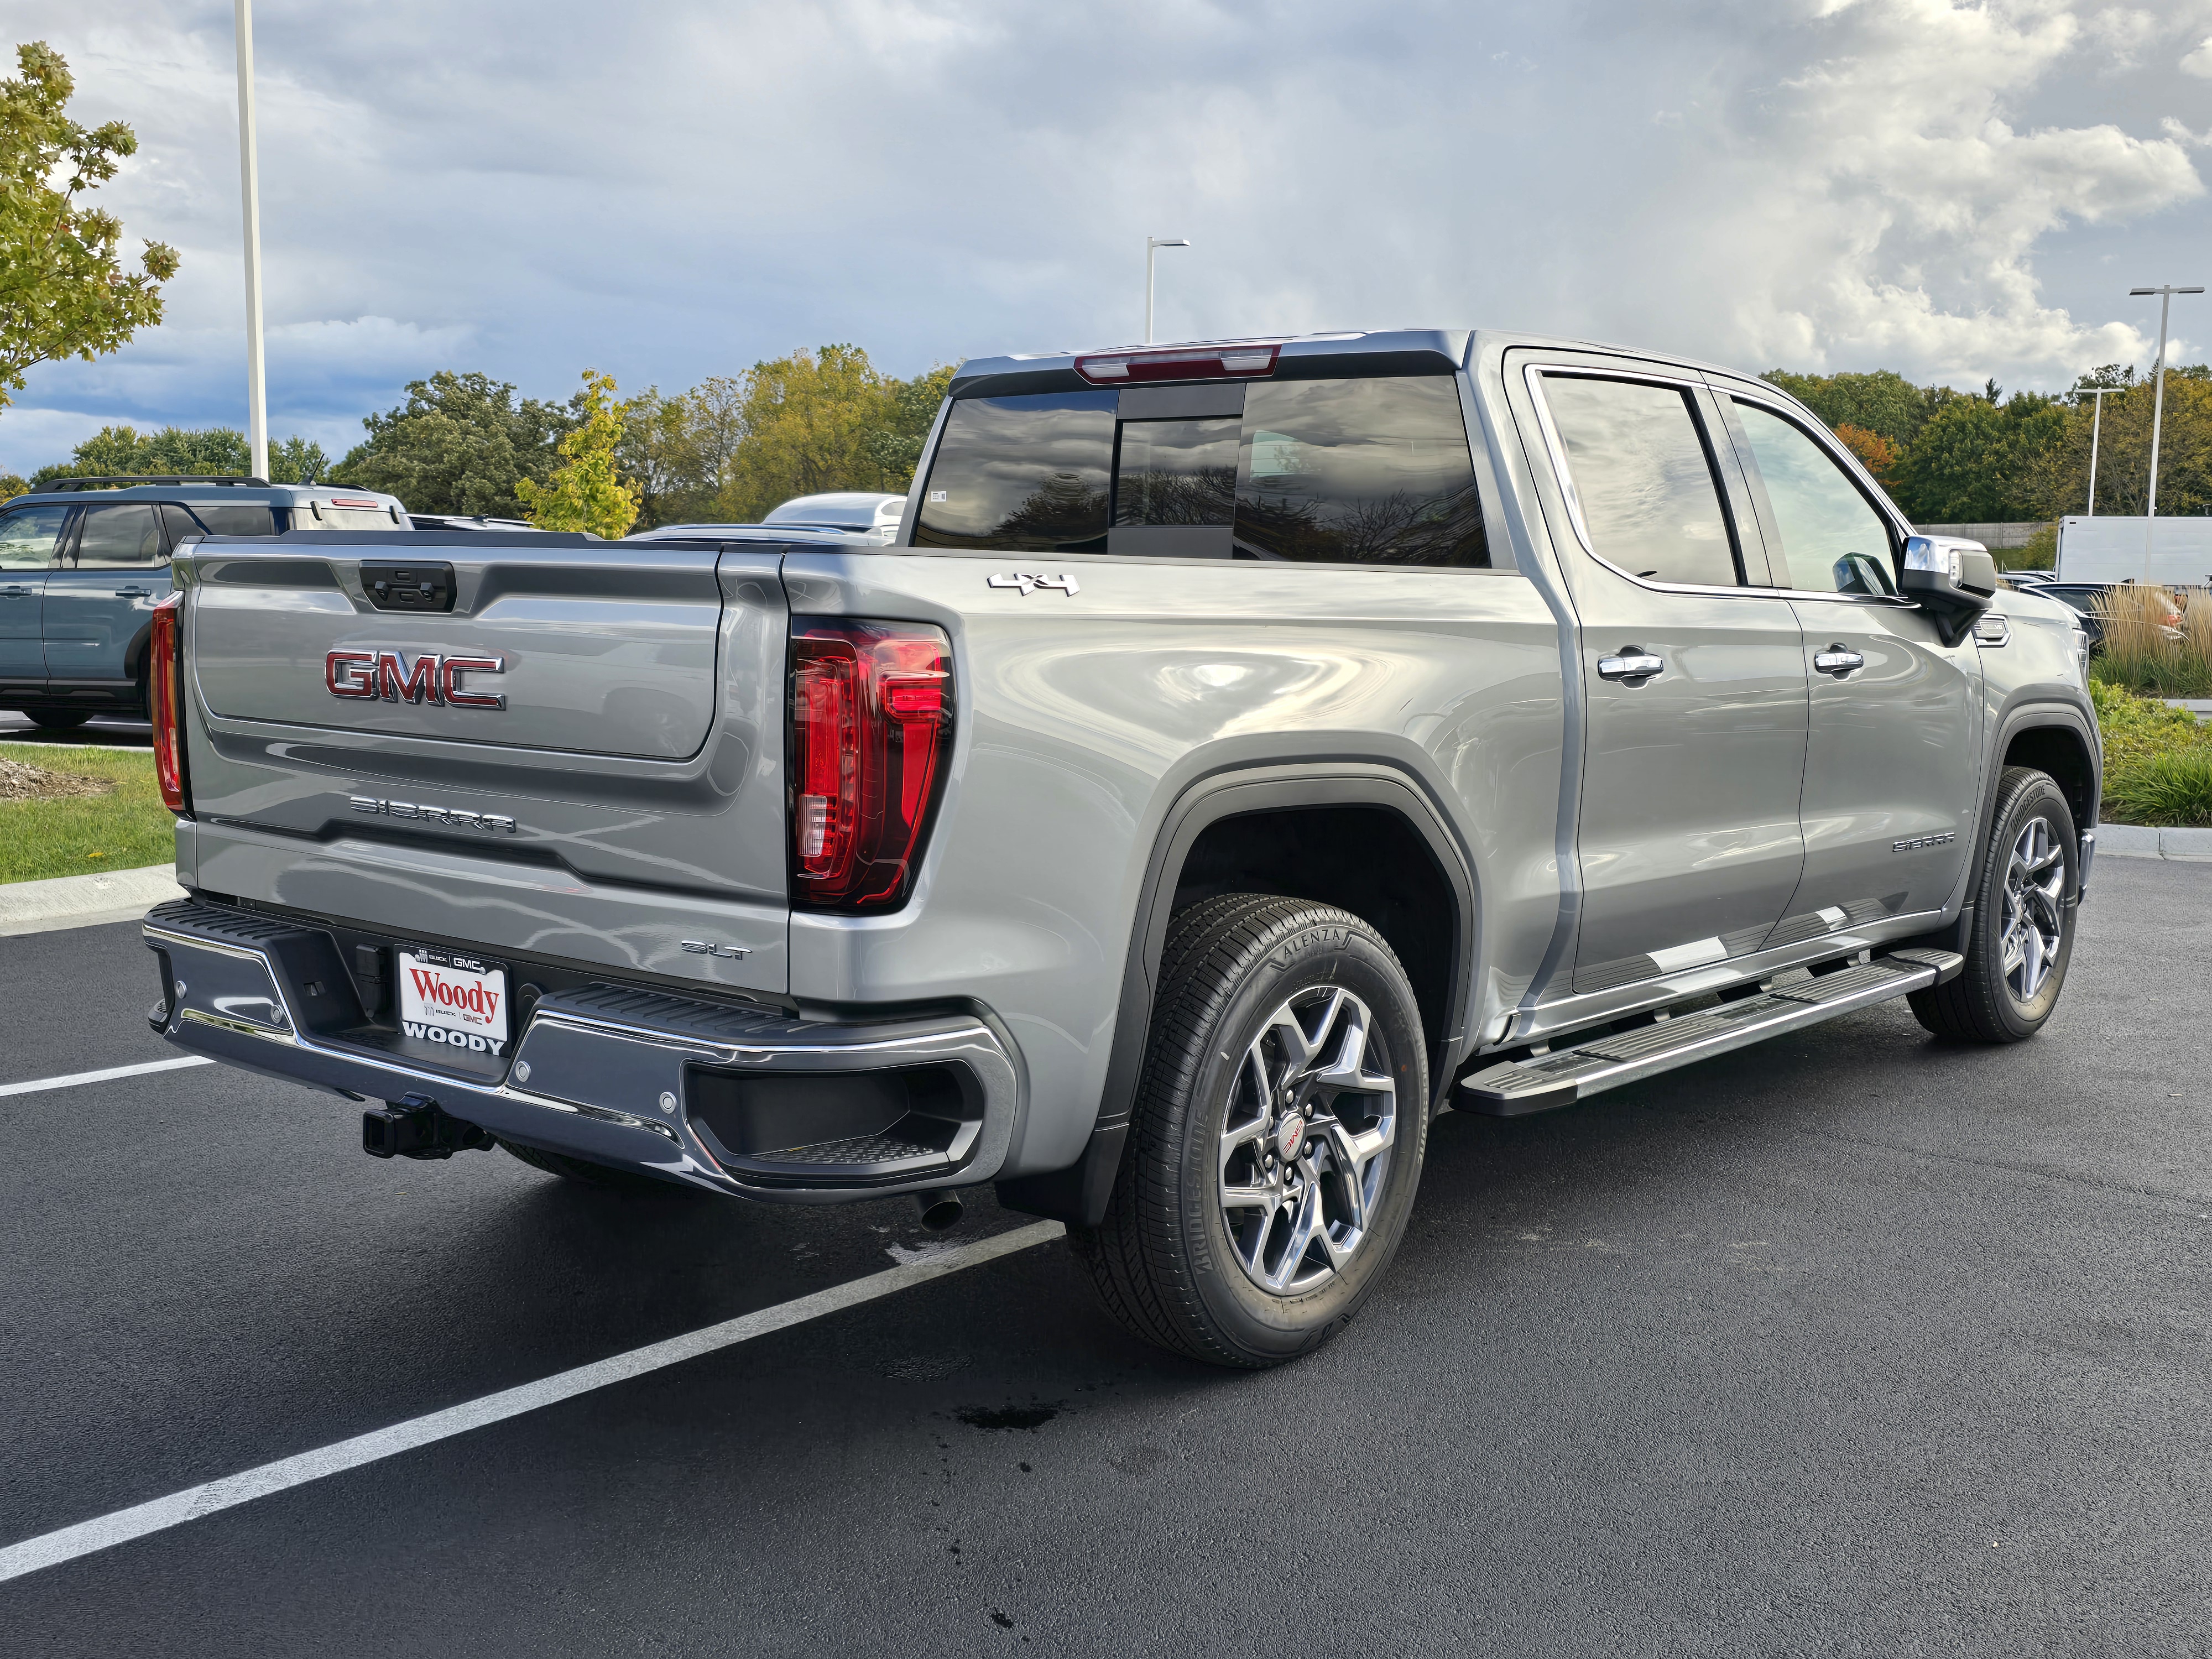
x,y
2134,841
41,907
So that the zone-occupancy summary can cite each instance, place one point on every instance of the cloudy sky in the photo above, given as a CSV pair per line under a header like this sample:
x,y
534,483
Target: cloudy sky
x,y
669,189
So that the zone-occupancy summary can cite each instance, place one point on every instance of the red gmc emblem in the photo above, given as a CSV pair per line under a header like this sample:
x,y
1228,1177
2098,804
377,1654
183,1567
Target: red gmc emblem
x,y
431,678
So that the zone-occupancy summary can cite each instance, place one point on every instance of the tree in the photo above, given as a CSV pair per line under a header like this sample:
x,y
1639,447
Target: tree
x,y
220,451
1979,462
2058,481
1883,403
1876,453
63,290
461,443
730,450
586,492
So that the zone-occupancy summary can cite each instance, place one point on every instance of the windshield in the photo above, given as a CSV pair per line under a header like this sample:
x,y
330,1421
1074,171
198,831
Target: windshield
x,y
1343,471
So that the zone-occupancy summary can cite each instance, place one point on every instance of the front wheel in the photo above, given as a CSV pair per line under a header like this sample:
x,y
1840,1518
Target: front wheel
x,y
56,719
2022,935
1277,1136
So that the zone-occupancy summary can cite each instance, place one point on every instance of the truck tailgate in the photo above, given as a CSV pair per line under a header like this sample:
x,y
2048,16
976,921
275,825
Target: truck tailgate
x,y
581,758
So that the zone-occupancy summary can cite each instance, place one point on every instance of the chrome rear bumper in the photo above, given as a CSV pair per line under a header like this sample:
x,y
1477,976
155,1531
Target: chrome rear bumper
x,y
618,1075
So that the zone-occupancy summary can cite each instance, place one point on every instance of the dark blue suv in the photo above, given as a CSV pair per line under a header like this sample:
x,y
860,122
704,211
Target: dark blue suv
x,y
84,561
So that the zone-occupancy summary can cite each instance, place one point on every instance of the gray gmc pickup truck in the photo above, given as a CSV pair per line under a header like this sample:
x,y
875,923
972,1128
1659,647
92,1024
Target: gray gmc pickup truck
x,y
1239,754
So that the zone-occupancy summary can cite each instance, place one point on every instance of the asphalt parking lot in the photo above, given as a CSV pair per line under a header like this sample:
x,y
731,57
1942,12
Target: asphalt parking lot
x,y
1853,1344
111,733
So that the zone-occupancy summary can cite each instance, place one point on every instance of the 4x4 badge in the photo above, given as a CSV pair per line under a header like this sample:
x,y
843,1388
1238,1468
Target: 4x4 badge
x,y
1029,580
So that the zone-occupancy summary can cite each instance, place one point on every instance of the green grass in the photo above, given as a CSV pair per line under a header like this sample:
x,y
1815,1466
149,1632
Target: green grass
x,y
121,830
2158,761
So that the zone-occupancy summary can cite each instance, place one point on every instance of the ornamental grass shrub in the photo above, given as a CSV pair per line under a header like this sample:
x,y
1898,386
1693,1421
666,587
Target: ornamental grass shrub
x,y
2158,640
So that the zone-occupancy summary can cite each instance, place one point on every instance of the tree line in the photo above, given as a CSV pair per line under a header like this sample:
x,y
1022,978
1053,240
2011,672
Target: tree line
x,y
1951,456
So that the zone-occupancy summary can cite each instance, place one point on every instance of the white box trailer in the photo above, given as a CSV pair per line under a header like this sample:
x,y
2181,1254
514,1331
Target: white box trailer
x,y
2111,549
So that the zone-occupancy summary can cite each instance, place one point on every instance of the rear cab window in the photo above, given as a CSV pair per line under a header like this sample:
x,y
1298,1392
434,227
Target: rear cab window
x,y
1372,470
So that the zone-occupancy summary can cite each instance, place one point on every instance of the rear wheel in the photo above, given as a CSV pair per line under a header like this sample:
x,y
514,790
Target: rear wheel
x,y
1277,1137
586,1173
56,719
2022,935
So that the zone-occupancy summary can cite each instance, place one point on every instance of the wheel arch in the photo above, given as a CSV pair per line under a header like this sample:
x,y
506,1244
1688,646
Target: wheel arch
x,y
1245,829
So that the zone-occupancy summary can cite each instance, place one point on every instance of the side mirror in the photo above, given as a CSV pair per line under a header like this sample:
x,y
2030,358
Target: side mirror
x,y
1953,581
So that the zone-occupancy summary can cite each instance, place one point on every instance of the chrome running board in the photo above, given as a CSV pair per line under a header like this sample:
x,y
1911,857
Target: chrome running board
x,y
1514,1088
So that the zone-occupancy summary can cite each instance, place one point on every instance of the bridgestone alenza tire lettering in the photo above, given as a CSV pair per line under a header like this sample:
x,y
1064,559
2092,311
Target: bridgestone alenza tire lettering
x,y
1276,1140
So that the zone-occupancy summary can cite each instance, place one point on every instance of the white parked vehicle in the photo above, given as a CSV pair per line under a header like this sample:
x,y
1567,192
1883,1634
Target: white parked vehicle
x,y
2111,549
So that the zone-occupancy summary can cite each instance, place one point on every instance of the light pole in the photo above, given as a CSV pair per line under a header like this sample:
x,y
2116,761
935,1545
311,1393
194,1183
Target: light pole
x,y
2165,293
2096,430
1152,246
249,175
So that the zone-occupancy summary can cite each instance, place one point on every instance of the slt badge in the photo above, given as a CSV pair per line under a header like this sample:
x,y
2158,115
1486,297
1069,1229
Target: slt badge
x,y
1029,580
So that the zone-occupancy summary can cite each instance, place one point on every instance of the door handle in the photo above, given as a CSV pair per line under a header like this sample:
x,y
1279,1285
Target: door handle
x,y
15,593
1838,660
134,593
1632,663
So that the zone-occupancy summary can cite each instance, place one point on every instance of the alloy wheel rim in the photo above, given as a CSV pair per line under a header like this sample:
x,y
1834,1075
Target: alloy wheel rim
x,y
2034,908
1306,1144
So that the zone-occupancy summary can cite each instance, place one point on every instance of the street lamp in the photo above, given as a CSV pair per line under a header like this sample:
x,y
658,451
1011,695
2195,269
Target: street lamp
x,y
2165,293
1152,246
249,177
2096,430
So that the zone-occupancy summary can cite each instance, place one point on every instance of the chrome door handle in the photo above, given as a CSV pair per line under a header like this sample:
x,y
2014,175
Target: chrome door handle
x,y
1631,664
1836,660
134,593
15,593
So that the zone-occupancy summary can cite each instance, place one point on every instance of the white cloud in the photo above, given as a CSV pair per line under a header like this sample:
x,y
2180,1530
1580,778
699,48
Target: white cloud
x,y
2199,62
674,191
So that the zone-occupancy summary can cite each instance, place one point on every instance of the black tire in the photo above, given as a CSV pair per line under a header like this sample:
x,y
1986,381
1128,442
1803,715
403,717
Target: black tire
x,y
56,719
586,1173
1985,1003
1166,1261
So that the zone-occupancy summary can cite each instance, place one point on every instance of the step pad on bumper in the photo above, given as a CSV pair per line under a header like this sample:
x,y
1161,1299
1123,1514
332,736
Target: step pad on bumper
x,y
1514,1088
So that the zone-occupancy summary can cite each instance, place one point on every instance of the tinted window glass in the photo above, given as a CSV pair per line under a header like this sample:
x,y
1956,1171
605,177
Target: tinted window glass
x,y
244,520
1177,471
1358,472
321,515
1026,474
28,536
1641,474
118,535
1832,539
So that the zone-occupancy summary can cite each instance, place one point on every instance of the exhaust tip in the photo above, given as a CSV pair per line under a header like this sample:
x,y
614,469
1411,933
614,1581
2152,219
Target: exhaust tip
x,y
939,1209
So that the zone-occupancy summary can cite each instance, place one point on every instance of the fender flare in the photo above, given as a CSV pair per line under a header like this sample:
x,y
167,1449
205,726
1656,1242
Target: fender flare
x,y
2030,711
1078,1193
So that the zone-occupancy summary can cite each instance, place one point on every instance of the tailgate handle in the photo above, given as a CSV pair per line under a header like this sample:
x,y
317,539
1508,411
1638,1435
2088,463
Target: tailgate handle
x,y
407,585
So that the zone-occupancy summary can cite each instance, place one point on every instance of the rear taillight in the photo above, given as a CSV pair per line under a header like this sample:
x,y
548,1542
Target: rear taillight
x,y
165,693
871,732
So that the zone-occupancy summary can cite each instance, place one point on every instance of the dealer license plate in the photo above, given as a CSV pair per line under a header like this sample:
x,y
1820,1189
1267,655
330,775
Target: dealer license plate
x,y
460,1002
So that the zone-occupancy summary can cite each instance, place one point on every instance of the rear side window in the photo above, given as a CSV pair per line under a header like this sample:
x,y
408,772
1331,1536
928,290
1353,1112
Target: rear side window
x,y
226,519
1349,472
1642,479
1832,539
125,534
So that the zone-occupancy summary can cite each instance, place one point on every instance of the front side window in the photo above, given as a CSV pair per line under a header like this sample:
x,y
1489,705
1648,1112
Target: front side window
x,y
1832,539
28,536
122,535
1649,501
1347,471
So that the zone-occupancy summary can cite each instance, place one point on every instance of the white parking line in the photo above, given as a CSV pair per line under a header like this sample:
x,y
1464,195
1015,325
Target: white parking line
x,y
38,1083
52,1549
